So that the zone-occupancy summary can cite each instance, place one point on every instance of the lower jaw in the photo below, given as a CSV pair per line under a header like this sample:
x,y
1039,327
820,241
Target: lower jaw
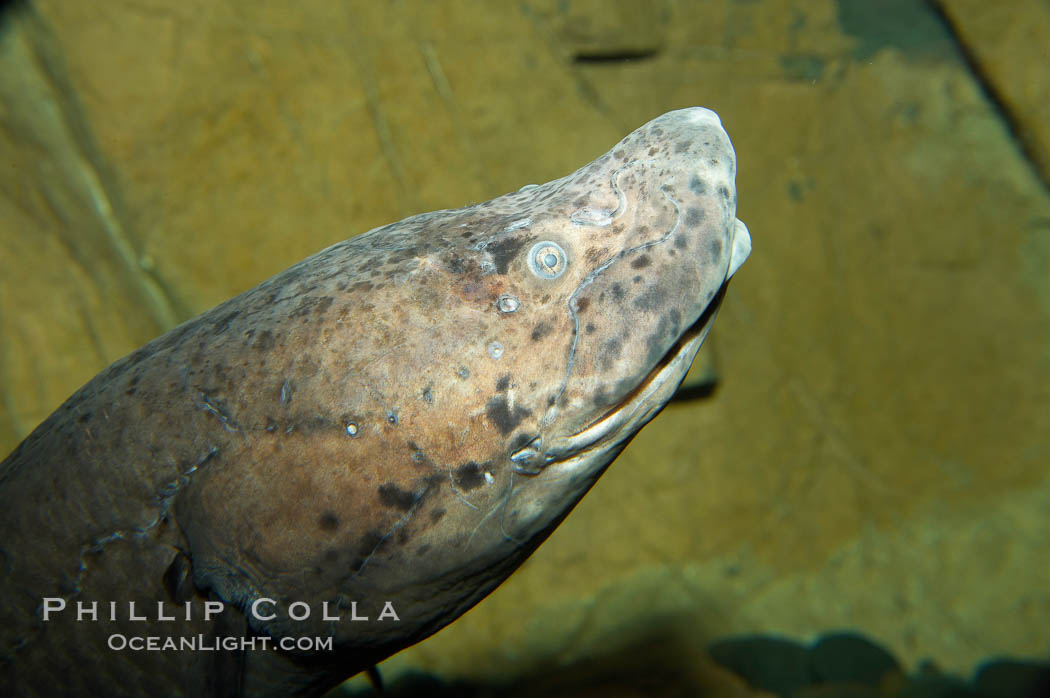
x,y
622,421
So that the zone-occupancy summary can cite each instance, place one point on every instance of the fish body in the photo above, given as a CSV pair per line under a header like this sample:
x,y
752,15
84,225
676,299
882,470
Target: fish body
x,y
385,430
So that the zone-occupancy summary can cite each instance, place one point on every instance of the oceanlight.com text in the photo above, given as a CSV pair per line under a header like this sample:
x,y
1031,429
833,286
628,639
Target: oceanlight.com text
x,y
206,643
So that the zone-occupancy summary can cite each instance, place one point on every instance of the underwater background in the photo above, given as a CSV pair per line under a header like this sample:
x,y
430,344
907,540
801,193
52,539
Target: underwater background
x,y
866,488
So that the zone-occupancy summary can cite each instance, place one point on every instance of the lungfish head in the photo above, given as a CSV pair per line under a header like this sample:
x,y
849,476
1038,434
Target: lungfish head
x,y
607,282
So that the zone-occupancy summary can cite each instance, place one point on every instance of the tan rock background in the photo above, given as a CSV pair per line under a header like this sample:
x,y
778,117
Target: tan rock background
x,y
876,454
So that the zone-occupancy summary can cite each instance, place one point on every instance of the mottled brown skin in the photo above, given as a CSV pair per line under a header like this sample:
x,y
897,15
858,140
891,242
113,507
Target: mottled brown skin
x,y
344,431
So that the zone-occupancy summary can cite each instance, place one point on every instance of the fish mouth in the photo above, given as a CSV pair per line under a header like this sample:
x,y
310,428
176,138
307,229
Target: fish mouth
x,y
627,416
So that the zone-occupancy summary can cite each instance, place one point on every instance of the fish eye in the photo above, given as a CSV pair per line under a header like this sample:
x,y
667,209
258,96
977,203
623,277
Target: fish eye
x,y
547,260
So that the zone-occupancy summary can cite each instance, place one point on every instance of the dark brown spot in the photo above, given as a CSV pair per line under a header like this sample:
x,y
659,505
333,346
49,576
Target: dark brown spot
x,y
651,299
502,416
641,262
503,383
613,349
370,542
582,304
521,440
540,331
656,342
455,264
309,304
264,341
417,453
602,399
393,496
469,476
503,251
328,521
399,256
323,305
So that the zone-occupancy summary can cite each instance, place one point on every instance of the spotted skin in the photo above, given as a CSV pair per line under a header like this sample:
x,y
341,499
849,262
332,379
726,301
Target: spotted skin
x,y
377,423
